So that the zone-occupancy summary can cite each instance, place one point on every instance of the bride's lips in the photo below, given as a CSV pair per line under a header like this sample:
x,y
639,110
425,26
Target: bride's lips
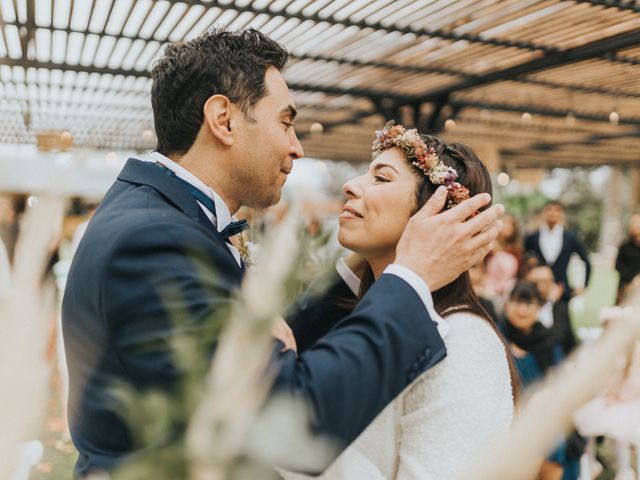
x,y
349,212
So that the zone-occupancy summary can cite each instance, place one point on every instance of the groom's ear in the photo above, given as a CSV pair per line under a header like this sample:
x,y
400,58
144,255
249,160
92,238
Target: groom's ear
x,y
217,116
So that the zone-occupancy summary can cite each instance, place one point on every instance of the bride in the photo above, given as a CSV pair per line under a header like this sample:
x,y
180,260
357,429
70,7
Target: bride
x,y
454,409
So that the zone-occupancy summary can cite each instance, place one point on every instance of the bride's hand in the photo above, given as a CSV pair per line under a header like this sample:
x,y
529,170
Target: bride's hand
x,y
283,332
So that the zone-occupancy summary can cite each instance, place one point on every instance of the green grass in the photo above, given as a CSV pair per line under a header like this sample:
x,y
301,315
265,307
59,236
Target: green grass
x,y
600,293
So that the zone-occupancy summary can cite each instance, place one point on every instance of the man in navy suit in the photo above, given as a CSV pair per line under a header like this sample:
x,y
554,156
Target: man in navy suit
x,y
553,245
155,263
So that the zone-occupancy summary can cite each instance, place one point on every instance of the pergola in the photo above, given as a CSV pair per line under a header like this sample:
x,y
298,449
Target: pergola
x,y
527,83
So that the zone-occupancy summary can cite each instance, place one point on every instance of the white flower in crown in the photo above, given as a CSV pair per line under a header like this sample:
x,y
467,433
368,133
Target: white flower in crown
x,y
441,174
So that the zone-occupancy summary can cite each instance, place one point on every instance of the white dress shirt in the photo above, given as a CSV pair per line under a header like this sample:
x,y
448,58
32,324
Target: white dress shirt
x,y
222,216
409,276
545,315
551,242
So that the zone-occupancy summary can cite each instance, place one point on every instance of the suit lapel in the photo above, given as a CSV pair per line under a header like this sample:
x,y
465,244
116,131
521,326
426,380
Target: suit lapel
x,y
205,222
139,172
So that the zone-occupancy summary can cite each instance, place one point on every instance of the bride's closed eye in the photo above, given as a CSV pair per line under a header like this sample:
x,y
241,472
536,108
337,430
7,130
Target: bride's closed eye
x,y
380,178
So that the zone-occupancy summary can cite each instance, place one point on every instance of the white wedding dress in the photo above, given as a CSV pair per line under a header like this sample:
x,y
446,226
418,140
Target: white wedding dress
x,y
442,420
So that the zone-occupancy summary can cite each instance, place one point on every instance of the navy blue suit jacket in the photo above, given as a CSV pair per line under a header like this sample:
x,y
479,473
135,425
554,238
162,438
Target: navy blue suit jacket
x,y
151,267
570,244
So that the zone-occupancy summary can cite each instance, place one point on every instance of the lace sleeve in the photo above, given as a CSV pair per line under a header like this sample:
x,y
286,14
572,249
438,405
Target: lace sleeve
x,y
456,408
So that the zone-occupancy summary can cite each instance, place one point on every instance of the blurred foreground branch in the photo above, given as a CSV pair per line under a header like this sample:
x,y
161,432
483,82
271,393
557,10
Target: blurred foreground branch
x,y
24,372
548,411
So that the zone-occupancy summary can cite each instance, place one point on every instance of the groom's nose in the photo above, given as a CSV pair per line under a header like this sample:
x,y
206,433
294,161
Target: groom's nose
x,y
296,150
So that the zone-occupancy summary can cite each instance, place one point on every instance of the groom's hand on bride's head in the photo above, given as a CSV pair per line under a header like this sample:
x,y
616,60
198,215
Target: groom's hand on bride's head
x,y
441,246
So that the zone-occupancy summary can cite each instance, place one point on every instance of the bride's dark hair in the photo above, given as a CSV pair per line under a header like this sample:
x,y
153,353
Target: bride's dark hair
x,y
457,296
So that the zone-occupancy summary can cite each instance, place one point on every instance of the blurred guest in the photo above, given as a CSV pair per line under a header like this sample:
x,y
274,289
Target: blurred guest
x,y
503,262
477,276
510,238
529,261
616,413
628,260
554,313
8,226
554,245
536,350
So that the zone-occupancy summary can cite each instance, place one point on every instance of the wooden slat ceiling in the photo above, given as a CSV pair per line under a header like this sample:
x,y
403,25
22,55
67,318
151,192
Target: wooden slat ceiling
x,y
537,81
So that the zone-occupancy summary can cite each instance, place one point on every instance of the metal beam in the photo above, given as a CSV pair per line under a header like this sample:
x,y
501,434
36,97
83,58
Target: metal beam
x,y
627,6
590,140
387,108
448,71
545,112
620,59
433,33
328,89
13,62
395,67
545,161
332,20
27,31
435,120
573,55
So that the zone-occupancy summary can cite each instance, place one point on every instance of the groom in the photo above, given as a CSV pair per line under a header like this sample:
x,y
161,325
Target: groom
x,y
155,262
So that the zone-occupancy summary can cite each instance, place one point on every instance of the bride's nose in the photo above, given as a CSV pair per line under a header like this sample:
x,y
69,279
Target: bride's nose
x,y
350,188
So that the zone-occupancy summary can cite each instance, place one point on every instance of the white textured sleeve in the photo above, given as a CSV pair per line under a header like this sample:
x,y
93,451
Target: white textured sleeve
x,y
458,407
422,289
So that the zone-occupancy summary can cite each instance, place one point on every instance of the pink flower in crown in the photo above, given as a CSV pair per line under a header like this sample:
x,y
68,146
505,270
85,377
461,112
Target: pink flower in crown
x,y
421,166
457,192
420,153
395,130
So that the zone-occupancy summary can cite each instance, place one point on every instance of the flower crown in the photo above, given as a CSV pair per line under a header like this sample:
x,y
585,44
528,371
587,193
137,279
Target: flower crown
x,y
423,157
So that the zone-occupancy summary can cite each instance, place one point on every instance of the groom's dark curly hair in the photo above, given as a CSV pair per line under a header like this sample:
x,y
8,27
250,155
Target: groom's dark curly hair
x,y
222,62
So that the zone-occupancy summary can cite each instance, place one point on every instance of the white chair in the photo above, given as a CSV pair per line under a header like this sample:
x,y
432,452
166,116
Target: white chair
x,y
29,455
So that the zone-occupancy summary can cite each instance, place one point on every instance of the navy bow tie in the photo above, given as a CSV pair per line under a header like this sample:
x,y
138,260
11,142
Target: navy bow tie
x,y
234,228
230,230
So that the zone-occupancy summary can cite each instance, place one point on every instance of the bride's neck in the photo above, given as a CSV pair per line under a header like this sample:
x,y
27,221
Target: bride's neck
x,y
380,262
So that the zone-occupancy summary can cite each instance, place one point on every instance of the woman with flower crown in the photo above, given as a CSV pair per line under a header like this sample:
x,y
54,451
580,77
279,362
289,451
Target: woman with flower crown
x,y
452,411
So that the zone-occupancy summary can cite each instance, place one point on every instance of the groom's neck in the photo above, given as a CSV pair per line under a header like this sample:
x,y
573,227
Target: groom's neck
x,y
207,172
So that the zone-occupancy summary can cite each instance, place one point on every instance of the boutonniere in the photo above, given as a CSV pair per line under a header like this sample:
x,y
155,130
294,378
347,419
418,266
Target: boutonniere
x,y
244,248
